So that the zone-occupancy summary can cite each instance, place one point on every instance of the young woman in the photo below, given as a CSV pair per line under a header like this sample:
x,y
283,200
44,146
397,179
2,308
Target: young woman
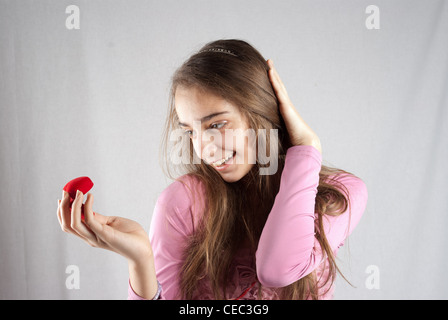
x,y
222,229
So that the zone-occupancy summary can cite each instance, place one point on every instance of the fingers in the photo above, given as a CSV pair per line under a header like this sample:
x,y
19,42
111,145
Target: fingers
x,y
59,212
70,218
277,84
76,210
76,224
64,212
90,218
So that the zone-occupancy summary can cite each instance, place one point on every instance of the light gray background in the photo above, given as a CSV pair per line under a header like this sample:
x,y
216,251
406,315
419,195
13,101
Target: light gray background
x,y
93,101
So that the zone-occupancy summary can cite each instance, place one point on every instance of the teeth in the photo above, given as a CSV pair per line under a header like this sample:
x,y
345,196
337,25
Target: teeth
x,y
221,162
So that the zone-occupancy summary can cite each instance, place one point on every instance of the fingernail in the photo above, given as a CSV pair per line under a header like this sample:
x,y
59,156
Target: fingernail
x,y
78,194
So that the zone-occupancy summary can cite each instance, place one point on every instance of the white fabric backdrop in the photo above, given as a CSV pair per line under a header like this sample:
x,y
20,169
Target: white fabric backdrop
x,y
91,101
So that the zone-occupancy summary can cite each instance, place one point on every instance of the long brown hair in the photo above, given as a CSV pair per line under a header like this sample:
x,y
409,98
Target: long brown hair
x,y
234,214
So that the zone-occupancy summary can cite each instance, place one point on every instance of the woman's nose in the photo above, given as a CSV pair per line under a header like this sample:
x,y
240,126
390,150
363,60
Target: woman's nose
x,y
208,145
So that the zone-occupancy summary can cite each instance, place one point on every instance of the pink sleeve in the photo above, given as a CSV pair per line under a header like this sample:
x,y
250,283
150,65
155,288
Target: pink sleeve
x,y
288,249
172,223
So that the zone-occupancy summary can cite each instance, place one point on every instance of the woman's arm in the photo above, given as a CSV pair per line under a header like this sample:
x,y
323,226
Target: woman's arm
x,y
172,223
143,284
288,249
285,249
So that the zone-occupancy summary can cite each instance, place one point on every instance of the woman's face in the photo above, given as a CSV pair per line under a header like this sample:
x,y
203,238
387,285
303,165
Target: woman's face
x,y
218,131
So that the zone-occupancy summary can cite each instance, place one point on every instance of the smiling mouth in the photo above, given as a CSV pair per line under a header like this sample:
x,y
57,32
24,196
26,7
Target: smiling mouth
x,y
224,160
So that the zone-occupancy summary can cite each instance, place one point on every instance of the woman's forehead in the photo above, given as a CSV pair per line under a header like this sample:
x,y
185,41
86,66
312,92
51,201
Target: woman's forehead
x,y
193,104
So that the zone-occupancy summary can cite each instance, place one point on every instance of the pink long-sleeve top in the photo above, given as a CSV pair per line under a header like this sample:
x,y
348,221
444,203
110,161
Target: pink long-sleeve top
x,y
287,250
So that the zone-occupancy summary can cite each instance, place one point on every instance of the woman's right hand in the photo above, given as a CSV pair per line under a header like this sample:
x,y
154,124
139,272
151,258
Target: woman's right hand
x,y
123,236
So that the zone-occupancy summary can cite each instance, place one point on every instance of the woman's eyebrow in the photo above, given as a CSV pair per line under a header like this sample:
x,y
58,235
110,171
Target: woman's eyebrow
x,y
206,118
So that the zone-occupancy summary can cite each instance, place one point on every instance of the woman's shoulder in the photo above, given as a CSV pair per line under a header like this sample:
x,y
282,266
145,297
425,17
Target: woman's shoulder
x,y
183,189
184,194
177,212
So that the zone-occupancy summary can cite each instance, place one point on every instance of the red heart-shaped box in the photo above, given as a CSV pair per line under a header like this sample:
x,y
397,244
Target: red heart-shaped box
x,y
83,184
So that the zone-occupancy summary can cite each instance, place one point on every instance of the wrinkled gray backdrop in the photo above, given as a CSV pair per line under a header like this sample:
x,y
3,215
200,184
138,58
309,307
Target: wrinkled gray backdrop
x,y
92,101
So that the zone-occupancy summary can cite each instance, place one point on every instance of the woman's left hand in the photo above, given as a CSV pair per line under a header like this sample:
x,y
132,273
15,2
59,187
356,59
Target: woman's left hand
x,y
299,132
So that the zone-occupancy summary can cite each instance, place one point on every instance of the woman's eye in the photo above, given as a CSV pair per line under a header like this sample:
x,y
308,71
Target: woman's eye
x,y
189,133
192,133
217,125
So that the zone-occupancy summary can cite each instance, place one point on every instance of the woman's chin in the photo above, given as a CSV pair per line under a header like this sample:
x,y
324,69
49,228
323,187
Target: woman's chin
x,y
236,172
